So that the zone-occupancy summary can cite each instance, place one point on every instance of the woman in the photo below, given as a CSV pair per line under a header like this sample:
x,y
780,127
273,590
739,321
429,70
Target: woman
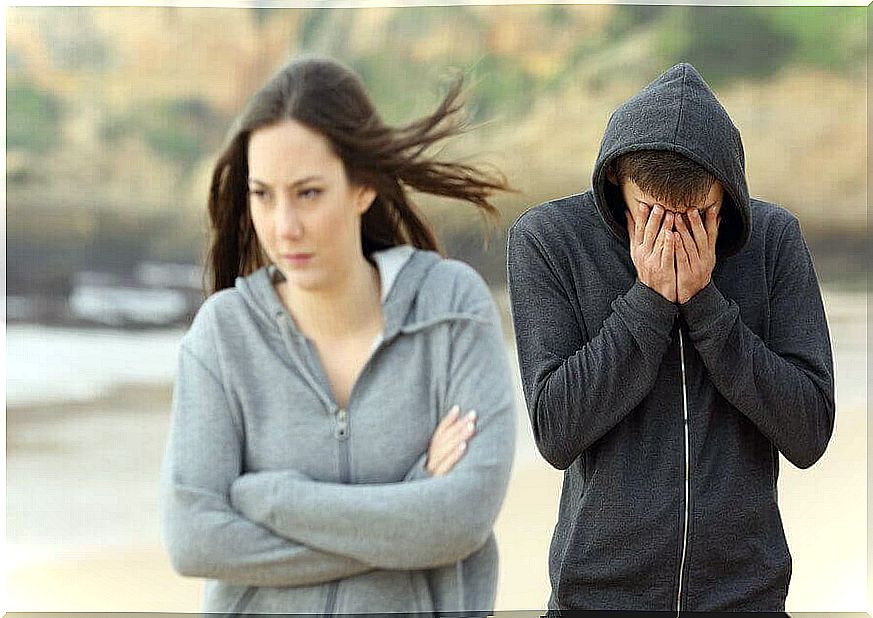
x,y
327,390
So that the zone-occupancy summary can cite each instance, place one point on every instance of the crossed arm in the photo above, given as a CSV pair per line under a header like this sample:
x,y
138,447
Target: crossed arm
x,y
270,529
204,535
422,523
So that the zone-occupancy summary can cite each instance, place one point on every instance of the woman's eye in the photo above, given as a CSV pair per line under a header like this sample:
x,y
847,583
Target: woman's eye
x,y
309,194
258,194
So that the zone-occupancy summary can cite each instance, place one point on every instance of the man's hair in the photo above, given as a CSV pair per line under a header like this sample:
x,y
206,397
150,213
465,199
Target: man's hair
x,y
667,176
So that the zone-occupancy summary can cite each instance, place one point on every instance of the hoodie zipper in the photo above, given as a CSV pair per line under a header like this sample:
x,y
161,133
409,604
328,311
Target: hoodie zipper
x,y
687,471
341,433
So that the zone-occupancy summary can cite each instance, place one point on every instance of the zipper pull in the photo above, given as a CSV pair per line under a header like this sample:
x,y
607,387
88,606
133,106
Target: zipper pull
x,y
342,424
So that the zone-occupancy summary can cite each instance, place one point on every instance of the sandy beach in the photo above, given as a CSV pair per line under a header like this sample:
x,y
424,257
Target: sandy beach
x,y
82,520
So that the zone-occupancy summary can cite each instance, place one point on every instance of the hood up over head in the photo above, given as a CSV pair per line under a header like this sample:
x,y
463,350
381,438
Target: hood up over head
x,y
678,112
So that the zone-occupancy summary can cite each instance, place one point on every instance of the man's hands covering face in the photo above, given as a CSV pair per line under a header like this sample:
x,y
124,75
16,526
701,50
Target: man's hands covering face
x,y
695,252
652,250
673,257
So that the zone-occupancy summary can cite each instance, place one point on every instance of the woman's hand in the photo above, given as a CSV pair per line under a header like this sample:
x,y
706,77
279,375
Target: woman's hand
x,y
449,441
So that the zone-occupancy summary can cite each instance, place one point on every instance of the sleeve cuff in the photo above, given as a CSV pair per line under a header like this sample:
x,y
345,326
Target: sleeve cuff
x,y
703,308
659,311
419,470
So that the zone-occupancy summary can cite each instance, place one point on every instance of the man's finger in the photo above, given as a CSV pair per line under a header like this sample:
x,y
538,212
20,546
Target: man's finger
x,y
697,229
685,235
711,226
653,225
669,249
639,226
631,228
683,259
662,233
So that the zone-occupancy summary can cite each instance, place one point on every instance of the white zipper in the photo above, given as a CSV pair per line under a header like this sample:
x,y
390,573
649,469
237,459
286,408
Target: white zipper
x,y
687,470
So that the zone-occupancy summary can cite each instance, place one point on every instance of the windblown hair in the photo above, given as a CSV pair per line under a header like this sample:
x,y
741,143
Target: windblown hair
x,y
667,176
330,99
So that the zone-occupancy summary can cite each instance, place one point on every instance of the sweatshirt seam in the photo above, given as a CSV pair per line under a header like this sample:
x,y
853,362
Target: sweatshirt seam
x,y
547,260
186,348
681,106
779,244
449,317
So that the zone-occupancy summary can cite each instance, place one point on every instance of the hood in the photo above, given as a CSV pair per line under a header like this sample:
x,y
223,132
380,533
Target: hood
x,y
678,112
401,270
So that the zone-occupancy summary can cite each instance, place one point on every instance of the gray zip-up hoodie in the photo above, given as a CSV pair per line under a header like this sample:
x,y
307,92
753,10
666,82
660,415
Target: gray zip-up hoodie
x,y
669,419
287,503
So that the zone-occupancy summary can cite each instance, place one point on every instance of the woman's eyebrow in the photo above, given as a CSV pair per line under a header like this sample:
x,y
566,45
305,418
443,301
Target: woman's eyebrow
x,y
293,184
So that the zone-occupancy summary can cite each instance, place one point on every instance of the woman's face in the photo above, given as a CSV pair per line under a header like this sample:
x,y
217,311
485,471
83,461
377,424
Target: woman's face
x,y
306,214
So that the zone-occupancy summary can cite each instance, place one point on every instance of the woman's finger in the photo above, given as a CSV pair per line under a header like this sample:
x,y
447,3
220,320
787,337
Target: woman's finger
x,y
447,421
443,445
448,462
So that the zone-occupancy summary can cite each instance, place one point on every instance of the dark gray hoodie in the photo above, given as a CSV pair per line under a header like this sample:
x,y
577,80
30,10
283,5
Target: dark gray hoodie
x,y
669,419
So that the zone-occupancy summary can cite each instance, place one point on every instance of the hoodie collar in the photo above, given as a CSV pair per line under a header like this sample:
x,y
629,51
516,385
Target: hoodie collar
x,y
678,112
401,269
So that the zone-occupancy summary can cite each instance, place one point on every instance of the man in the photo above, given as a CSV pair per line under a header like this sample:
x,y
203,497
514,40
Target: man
x,y
672,343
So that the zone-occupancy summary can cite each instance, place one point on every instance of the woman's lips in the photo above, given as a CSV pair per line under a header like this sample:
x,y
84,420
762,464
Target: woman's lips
x,y
297,259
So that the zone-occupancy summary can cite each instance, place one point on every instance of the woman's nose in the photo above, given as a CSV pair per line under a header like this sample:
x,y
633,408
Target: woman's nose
x,y
289,224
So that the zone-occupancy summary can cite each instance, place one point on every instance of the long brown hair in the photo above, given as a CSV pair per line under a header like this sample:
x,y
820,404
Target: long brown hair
x,y
329,98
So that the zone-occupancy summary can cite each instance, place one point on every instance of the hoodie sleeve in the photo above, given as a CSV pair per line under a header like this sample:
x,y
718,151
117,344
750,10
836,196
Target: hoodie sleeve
x,y
466,585
577,389
204,536
420,523
784,386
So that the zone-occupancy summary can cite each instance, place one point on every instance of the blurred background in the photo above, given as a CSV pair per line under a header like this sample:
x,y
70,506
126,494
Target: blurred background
x,y
115,117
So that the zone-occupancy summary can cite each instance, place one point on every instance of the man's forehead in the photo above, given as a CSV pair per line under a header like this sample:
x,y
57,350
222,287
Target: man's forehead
x,y
712,199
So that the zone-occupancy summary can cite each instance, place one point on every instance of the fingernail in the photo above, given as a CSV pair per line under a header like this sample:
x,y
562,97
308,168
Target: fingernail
x,y
472,415
462,447
455,410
